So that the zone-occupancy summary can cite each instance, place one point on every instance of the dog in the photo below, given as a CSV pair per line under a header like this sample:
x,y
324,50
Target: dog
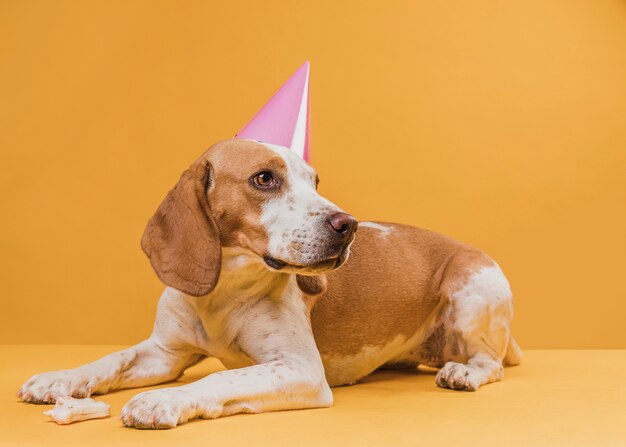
x,y
251,256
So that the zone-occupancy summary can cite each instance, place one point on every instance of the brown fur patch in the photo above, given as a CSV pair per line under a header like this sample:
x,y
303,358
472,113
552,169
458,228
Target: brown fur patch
x,y
388,287
391,284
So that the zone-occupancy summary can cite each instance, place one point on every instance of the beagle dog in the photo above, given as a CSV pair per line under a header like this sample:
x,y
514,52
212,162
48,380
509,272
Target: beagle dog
x,y
251,255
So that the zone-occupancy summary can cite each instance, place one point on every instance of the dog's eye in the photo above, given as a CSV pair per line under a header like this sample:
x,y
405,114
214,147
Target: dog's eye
x,y
264,179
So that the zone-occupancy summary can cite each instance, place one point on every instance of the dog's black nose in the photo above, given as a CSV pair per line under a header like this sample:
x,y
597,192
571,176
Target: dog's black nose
x,y
343,224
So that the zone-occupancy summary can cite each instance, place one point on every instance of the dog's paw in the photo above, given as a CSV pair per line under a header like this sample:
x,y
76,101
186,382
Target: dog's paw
x,y
46,387
159,409
458,376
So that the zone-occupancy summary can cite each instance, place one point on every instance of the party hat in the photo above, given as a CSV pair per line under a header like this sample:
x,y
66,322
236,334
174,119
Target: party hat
x,y
284,119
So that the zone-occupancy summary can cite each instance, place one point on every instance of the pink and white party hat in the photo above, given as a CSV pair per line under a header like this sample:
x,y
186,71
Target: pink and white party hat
x,y
284,119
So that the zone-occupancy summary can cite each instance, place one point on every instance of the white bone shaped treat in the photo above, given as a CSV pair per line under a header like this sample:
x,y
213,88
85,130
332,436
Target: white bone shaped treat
x,y
68,410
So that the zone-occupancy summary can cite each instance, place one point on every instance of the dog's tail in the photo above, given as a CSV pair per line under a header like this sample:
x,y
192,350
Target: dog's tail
x,y
513,355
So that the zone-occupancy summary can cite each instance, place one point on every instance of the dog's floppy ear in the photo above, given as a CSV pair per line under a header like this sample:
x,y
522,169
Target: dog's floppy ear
x,y
182,239
312,285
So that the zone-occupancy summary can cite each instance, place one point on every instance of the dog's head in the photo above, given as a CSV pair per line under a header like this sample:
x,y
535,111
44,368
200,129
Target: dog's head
x,y
245,195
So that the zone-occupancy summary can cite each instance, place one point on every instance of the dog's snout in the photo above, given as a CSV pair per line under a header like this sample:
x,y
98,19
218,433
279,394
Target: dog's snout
x,y
343,224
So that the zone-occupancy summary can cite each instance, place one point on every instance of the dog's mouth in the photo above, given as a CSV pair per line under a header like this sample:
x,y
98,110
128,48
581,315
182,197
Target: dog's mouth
x,y
276,264
315,267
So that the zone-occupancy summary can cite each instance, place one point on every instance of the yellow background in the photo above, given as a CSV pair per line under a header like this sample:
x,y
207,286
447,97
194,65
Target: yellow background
x,y
502,124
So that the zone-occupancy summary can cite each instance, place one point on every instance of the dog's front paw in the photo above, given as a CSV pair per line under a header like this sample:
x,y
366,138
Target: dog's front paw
x,y
46,387
159,409
458,376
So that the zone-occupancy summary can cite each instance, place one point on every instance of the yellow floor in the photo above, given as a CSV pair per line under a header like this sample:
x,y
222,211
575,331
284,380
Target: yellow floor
x,y
555,398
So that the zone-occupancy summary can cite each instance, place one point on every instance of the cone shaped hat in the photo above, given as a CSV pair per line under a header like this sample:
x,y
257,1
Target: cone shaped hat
x,y
284,119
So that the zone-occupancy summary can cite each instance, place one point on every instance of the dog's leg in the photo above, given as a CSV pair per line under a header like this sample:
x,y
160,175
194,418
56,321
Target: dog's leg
x,y
480,314
144,364
161,358
289,375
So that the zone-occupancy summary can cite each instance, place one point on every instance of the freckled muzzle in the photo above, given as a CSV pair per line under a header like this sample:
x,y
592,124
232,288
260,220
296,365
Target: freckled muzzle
x,y
320,246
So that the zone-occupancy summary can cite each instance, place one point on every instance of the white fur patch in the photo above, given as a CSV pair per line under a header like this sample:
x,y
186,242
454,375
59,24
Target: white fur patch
x,y
385,230
346,370
288,374
483,310
295,220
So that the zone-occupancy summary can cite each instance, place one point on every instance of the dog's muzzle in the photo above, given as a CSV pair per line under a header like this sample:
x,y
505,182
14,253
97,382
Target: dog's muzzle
x,y
339,232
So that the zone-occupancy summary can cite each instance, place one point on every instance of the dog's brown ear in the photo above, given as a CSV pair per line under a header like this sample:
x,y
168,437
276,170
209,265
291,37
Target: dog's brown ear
x,y
182,239
312,285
